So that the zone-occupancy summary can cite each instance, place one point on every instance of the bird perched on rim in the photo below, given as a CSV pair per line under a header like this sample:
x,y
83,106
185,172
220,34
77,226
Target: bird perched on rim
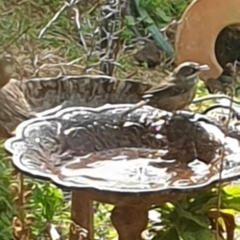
x,y
178,90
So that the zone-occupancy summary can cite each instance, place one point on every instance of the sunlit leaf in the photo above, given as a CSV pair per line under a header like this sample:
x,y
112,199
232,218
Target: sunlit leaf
x,y
226,211
232,190
224,219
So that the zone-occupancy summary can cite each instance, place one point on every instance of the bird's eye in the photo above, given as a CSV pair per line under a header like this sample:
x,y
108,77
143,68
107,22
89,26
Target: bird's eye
x,y
187,71
191,71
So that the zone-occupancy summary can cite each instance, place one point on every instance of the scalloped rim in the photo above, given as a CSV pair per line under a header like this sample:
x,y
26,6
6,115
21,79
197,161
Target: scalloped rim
x,y
55,179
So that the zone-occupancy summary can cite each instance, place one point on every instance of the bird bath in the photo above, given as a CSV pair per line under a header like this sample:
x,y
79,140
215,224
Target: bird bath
x,y
105,155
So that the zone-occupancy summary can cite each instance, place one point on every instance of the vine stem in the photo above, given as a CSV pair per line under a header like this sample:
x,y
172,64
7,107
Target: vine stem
x,y
21,198
220,186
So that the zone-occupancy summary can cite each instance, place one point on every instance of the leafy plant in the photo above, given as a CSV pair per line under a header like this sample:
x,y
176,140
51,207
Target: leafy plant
x,y
128,33
7,210
196,217
49,207
153,14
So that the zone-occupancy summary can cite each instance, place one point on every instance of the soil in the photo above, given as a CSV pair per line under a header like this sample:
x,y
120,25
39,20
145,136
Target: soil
x,y
150,54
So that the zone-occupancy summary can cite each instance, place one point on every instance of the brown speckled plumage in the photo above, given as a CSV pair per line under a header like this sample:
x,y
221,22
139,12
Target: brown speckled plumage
x,y
179,88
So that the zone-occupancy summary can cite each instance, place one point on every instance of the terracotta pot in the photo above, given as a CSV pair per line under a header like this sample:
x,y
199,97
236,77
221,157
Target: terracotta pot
x,y
199,28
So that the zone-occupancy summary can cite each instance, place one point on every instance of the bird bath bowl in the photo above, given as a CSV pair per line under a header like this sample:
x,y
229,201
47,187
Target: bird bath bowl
x,y
22,100
106,155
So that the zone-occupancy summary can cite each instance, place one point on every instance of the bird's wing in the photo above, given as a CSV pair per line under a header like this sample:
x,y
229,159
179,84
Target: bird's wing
x,y
165,90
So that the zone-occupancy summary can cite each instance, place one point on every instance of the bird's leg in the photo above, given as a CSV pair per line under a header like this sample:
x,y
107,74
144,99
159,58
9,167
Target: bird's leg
x,y
187,108
138,105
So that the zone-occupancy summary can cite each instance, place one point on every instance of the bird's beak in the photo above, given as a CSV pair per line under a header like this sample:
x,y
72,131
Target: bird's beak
x,y
204,67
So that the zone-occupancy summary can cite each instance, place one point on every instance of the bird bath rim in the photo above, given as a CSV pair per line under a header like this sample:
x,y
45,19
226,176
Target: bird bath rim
x,y
19,138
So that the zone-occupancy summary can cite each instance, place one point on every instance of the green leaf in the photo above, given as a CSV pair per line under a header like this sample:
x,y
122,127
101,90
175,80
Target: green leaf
x,y
153,29
162,15
204,203
149,21
189,230
170,234
232,203
200,219
130,20
159,39
232,190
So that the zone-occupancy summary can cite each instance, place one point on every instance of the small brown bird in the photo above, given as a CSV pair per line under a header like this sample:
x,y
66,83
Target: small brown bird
x,y
178,90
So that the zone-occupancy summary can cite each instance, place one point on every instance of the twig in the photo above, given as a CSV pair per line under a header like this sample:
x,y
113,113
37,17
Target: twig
x,y
79,27
111,24
214,97
53,65
66,5
137,105
91,51
119,41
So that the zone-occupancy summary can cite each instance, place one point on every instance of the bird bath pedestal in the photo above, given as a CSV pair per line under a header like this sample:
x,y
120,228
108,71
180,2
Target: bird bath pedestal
x,y
129,161
129,216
